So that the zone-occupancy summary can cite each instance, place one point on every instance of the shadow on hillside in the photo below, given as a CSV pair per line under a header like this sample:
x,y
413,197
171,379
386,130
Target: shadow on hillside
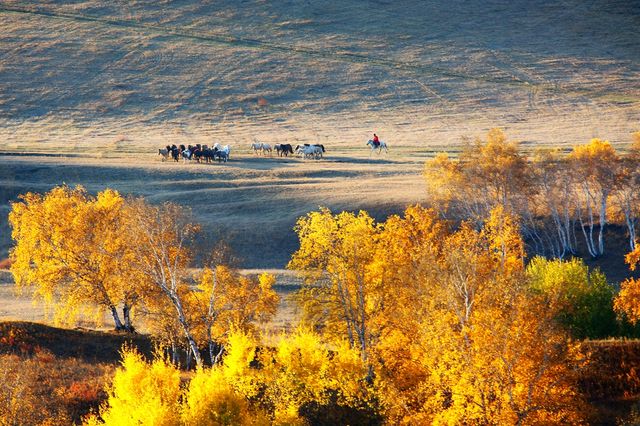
x,y
46,154
89,345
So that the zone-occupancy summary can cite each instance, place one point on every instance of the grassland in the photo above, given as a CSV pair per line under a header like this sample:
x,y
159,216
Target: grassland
x,y
90,89
86,73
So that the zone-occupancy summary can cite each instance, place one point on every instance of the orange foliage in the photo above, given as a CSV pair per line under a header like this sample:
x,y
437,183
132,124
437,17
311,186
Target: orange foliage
x,y
453,334
627,302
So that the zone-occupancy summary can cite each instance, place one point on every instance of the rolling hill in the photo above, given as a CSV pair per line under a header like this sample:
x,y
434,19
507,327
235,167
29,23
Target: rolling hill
x,y
417,72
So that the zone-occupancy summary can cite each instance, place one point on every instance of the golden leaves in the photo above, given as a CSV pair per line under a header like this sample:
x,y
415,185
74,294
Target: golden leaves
x,y
445,320
73,249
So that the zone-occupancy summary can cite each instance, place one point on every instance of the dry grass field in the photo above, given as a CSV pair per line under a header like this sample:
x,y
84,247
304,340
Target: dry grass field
x,y
422,74
251,202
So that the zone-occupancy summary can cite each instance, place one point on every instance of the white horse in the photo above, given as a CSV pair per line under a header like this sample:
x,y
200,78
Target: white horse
x,y
309,151
221,152
380,146
266,148
164,153
257,147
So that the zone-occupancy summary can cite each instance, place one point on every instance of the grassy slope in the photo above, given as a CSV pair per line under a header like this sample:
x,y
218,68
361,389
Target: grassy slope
x,y
419,73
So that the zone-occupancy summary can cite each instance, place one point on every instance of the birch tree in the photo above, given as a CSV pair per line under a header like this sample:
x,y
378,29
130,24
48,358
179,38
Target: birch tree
x,y
594,166
162,238
73,249
344,293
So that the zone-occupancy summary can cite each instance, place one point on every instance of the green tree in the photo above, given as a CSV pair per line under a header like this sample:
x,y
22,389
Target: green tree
x,y
582,298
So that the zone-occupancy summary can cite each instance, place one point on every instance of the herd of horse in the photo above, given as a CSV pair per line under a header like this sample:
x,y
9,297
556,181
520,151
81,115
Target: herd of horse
x,y
306,150
202,153
199,153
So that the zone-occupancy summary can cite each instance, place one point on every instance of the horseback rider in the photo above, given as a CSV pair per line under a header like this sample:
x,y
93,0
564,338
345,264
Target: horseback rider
x,y
376,141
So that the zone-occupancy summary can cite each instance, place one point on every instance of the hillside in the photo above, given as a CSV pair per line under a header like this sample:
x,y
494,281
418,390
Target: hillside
x,y
419,73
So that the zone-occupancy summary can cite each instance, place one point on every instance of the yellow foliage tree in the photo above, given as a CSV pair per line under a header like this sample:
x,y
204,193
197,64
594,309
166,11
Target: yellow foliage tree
x,y
474,346
627,302
626,194
496,167
74,250
301,370
161,237
226,300
595,166
335,254
141,394
459,338
444,180
488,173
211,400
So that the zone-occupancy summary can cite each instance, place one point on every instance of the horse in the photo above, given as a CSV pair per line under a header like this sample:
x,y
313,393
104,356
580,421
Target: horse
x,y
221,154
196,152
317,145
380,146
284,148
175,153
164,153
257,147
309,151
208,155
321,147
266,148
186,154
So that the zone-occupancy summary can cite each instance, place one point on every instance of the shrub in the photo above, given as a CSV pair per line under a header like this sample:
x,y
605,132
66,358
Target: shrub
x,y
583,299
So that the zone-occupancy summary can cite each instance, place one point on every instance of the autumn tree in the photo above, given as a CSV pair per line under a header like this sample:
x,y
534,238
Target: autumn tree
x,y
446,188
302,370
74,250
496,168
459,337
555,199
161,237
410,247
141,393
344,293
552,195
627,301
595,167
226,300
483,349
627,195
299,371
487,173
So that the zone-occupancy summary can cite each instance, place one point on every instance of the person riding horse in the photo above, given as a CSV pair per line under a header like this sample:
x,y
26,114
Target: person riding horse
x,y
376,141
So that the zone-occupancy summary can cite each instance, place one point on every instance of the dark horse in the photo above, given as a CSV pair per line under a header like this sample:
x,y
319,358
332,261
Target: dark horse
x,y
174,152
284,149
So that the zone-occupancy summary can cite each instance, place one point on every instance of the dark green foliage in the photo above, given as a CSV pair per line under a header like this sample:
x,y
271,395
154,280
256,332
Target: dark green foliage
x,y
583,298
